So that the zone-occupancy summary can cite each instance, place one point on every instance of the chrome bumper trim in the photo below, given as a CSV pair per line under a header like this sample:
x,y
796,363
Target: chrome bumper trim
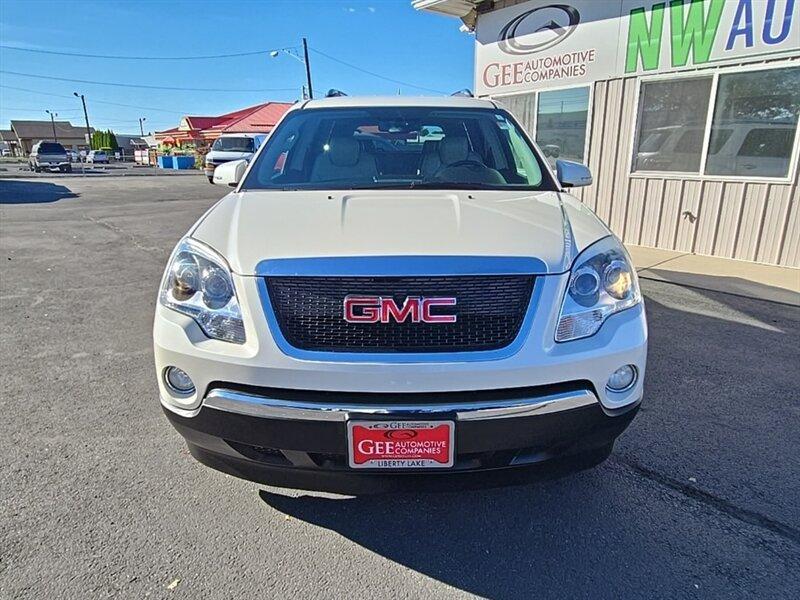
x,y
273,408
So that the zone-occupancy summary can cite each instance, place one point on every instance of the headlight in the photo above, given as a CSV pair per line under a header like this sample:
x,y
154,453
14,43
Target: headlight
x,y
602,282
198,283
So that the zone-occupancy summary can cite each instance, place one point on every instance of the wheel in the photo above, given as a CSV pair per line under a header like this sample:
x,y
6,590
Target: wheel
x,y
68,169
211,180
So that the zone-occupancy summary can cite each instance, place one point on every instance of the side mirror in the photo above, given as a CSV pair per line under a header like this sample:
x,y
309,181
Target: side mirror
x,y
552,150
572,174
230,173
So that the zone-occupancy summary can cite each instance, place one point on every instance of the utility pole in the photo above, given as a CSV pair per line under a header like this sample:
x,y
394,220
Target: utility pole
x,y
141,127
292,52
85,116
53,123
308,69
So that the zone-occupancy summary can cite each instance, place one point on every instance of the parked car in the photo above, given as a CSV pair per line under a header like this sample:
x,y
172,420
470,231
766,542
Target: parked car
x,y
230,147
48,156
6,152
738,148
97,156
441,305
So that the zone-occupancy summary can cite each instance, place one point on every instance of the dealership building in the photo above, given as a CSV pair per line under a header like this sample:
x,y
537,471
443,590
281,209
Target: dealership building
x,y
685,111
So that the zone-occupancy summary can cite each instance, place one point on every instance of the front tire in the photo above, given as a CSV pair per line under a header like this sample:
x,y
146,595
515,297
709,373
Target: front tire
x,y
210,180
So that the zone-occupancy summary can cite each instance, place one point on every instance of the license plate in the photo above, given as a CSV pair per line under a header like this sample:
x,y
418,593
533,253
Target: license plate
x,y
400,444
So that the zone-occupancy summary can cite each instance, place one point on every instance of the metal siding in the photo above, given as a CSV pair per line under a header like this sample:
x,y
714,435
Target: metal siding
x,y
790,247
754,221
755,203
708,217
596,142
635,209
670,212
651,219
775,216
604,188
687,220
619,212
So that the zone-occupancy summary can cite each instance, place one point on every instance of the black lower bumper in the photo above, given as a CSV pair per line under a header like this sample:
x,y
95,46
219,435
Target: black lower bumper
x,y
312,454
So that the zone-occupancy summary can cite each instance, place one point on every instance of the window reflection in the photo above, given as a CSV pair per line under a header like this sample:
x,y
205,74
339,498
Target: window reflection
x,y
755,121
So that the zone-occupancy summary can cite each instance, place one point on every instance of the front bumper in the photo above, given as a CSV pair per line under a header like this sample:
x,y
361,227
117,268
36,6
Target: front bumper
x,y
269,446
299,438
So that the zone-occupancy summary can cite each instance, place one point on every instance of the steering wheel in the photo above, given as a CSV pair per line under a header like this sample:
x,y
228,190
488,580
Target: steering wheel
x,y
466,163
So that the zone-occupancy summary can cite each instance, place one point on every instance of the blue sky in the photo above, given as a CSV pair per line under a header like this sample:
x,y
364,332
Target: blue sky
x,y
384,36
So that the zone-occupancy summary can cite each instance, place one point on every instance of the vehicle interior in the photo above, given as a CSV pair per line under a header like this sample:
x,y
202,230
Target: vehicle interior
x,y
397,147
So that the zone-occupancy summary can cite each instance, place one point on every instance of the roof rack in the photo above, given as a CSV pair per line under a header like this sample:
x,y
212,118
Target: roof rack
x,y
334,93
466,93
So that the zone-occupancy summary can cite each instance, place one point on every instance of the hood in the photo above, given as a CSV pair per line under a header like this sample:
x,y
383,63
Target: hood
x,y
223,155
252,226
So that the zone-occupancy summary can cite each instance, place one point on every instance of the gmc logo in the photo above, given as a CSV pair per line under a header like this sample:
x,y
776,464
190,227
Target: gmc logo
x,y
375,309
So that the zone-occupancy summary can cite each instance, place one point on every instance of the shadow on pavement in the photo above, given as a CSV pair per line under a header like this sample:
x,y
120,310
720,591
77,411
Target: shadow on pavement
x,y
729,285
516,542
32,192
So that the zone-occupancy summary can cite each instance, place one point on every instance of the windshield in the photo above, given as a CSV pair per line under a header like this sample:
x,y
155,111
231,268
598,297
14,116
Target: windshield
x,y
234,144
400,148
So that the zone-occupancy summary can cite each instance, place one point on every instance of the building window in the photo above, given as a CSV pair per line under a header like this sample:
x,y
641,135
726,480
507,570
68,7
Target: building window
x,y
672,116
561,120
754,124
557,120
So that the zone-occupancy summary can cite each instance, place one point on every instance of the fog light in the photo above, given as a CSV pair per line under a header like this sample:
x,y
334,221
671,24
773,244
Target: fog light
x,y
622,379
178,381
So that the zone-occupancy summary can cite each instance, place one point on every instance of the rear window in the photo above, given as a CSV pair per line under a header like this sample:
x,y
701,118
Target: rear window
x,y
772,143
51,148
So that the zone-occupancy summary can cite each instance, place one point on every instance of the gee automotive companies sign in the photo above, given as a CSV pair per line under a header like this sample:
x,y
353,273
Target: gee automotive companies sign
x,y
540,44
544,44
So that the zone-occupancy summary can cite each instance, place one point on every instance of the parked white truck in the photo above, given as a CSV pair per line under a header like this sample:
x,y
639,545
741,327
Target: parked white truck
x,y
233,146
398,286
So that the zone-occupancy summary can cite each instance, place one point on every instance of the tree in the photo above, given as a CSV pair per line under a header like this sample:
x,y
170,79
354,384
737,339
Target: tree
x,y
97,140
104,139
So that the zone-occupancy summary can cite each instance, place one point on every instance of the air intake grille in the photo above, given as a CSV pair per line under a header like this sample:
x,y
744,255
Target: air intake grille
x,y
490,310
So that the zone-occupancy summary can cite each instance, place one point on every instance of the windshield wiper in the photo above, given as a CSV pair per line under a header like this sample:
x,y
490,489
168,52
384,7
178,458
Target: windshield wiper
x,y
448,185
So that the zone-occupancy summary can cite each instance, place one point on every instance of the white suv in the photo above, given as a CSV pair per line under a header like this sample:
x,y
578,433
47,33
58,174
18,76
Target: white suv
x,y
230,147
398,286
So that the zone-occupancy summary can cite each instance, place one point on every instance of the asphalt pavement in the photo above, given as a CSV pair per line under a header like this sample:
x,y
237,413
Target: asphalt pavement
x,y
700,499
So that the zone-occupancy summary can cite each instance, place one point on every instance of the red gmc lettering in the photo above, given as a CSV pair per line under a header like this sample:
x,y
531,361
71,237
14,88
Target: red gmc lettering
x,y
390,308
428,303
374,309
369,305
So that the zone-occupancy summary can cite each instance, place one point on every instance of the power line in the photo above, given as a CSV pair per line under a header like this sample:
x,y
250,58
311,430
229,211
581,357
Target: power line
x,y
174,112
58,110
207,57
143,86
357,68
11,87
122,57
